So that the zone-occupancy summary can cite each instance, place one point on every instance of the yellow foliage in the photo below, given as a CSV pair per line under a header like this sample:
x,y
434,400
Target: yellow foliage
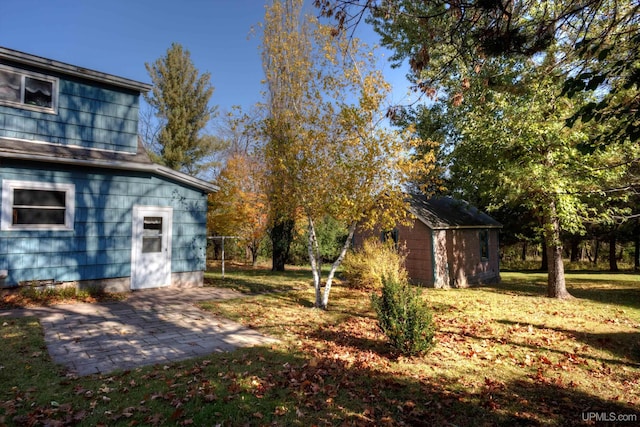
x,y
240,207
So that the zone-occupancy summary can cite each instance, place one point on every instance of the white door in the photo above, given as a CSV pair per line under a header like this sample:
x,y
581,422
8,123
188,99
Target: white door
x,y
151,247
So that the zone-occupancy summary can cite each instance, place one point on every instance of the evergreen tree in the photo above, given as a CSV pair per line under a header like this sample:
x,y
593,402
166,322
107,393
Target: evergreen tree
x,y
180,97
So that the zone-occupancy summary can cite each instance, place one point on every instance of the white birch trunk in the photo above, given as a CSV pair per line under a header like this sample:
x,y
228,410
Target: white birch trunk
x,y
314,253
336,264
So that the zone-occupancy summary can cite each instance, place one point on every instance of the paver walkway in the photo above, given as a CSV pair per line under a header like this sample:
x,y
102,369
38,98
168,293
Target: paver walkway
x,y
149,327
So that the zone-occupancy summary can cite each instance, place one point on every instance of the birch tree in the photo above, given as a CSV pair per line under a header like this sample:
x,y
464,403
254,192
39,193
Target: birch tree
x,y
339,160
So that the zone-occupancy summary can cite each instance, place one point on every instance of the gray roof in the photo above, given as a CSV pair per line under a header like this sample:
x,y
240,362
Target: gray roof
x,y
71,70
78,156
447,212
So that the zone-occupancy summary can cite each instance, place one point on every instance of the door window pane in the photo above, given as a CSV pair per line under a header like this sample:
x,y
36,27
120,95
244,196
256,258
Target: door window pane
x,y
152,234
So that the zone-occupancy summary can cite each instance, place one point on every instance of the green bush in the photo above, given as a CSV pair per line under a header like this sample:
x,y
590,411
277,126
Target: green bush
x,y
365,268
46,294
404,318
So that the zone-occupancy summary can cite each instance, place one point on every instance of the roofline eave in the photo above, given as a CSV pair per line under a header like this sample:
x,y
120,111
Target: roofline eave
x,y
120,165
452,227
72,70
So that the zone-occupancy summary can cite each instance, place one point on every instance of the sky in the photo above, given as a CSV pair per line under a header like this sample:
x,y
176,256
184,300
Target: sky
x,y
119,36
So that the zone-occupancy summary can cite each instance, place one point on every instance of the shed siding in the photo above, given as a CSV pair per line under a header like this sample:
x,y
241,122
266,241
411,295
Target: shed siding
x,y
466,264
99,246
88,116
417,240
441,260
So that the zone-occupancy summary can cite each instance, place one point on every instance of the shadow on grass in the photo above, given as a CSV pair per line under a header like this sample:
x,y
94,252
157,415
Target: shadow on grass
x,y
293,389
294,298
258,280
264,386
625,345
619,292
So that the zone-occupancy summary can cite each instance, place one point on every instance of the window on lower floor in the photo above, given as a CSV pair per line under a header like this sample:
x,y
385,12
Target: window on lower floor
x,y
30,205
24,89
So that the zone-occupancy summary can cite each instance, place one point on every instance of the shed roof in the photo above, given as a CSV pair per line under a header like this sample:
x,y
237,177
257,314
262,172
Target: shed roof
x,y
447,212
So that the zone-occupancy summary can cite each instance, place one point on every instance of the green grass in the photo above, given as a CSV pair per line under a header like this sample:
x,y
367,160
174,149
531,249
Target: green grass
x,y
505,355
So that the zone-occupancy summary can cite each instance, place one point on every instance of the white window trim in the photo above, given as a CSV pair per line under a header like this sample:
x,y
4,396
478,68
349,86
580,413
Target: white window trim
x,y
6,216
24,73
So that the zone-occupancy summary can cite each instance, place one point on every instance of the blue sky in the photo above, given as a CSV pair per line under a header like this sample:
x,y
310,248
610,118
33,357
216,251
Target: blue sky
x,y
120,36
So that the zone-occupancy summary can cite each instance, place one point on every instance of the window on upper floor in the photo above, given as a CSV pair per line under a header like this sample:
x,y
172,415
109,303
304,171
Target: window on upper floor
x,y
25,89
37,206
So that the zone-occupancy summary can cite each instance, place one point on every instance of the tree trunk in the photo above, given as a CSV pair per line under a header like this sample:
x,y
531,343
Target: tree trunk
x,y
254,248
523,256
336,264
315,257
556,285
596,251
314,260
613,260
281,237
575,249
636,241
544,265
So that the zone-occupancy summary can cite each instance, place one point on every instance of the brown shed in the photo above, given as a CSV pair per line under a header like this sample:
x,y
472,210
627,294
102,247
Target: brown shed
x,y
450,244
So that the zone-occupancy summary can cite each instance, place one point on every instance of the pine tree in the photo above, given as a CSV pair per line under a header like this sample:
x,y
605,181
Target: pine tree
x,y
180,97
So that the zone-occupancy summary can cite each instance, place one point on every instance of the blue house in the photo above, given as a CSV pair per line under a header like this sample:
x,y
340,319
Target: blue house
x,y
82,204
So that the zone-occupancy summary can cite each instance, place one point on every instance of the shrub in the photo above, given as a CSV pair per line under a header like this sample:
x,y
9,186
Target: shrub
x,y
365,268
47,294
404,318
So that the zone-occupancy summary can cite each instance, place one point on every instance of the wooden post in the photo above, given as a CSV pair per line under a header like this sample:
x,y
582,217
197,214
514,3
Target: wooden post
x,y
223,239
223,256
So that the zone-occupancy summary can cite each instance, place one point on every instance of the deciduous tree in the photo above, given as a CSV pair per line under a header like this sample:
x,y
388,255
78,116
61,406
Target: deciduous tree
x,y
339,159
286,75
240,206
496,70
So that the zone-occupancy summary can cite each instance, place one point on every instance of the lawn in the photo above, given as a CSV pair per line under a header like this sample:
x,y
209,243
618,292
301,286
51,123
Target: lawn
x,y
505,355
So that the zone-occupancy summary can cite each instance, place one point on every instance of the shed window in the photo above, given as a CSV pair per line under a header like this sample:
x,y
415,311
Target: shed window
x,y
37,206
390,236
23,89
484,244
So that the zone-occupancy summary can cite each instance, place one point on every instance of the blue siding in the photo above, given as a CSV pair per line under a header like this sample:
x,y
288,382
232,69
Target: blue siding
x,y
99,246
87,116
